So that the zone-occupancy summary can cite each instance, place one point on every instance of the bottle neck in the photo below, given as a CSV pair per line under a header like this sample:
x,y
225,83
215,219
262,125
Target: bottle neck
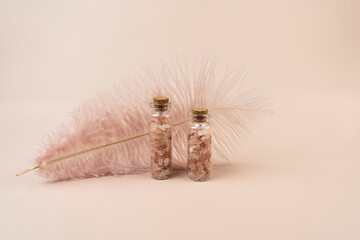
x,y
160,108
200,119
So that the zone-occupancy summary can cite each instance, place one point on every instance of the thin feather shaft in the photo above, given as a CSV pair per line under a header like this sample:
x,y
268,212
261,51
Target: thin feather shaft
x,y
116,142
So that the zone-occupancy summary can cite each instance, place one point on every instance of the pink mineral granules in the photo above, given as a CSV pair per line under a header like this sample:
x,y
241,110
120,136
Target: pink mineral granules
x,y
160,138
199,146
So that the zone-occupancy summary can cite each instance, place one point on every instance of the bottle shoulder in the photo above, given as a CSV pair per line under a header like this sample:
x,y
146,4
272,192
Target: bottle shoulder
x,y
161,114
200,126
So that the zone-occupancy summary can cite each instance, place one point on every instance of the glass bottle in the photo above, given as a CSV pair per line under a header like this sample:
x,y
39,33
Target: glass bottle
x,y
160,138
199,146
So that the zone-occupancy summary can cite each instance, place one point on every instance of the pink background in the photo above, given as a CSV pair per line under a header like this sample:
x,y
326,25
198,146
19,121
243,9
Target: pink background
x,y
298,176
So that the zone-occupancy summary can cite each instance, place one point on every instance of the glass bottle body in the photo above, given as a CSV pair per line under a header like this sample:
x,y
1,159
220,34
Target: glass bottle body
x,y
199,165
160,141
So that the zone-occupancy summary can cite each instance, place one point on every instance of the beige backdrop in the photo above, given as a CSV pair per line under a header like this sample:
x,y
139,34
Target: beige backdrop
x,y
298,177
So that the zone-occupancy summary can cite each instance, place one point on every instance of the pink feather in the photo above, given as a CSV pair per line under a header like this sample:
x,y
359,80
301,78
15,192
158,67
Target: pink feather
x,y
123,112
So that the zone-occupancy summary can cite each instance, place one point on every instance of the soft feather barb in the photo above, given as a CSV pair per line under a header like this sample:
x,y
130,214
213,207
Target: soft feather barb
x,y
108,135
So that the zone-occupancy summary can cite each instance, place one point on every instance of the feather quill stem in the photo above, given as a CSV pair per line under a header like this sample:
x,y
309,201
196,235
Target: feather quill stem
x,y
111,144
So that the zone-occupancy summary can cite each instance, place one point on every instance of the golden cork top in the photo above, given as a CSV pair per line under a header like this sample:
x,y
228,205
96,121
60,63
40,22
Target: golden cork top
x,y
160,100
199,111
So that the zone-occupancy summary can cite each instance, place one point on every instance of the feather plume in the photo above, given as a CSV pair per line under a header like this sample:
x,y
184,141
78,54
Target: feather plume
x,y
108,135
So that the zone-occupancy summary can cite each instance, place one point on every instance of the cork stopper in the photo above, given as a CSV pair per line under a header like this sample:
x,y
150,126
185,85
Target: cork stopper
x,y
199,111
161,103
160,100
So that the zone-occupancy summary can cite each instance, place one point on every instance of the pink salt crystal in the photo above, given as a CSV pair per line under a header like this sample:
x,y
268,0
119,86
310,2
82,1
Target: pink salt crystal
x,y
160,139
199,153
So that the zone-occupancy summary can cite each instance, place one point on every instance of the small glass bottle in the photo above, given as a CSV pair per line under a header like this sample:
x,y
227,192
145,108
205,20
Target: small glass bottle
x,y
199,165
160,138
